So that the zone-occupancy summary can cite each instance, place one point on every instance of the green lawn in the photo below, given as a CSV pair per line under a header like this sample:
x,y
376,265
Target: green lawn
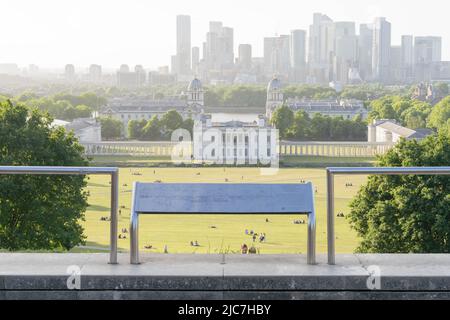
x,y
176,231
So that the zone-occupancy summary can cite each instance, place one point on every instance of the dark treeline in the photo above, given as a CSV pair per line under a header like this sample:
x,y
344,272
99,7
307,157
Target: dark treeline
x,y
154,129
298,126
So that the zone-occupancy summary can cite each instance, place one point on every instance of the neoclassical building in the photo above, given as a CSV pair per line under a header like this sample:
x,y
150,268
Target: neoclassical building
x,y
347,109
235,141
189,104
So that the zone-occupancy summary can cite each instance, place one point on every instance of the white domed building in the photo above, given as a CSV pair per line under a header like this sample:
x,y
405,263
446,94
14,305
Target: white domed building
x,y
274,96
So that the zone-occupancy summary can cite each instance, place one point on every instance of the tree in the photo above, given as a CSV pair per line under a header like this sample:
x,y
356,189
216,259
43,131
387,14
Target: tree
x,y
135,128
440,114
152,130
39,212
282,119
111,128
401,214
300,129
170,121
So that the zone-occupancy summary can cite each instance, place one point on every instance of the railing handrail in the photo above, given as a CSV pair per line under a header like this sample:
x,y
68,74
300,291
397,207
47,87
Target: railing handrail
x,y
63,170
332,171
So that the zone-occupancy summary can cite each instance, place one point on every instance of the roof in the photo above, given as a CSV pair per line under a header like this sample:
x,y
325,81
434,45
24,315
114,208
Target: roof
x,y
274,84
395,128
327,106
81,123
195,85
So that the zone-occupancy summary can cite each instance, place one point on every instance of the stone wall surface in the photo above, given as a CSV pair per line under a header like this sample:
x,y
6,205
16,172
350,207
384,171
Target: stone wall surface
x,y
195,276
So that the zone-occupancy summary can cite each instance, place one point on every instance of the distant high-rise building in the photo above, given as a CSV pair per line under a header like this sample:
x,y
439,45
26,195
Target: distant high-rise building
x,y
407,57
69,72
277,56
365,42
427,50
183,65
128,79
381,49
320,43
396,67
297,48
218,50
245,57
345,50
95,73
195,59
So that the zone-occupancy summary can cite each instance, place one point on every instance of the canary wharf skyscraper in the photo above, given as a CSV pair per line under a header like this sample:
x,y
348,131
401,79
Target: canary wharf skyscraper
x,y
183,56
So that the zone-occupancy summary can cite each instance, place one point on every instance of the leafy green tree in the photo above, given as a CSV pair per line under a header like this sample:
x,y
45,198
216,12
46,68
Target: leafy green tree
x,y
188,124
111,128
300,129
170,121
135,128
383,108
440,114
39,211
152,130
282,119
401,214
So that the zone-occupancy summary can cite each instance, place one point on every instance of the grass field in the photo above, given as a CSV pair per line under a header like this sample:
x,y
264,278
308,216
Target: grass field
x,y
176,231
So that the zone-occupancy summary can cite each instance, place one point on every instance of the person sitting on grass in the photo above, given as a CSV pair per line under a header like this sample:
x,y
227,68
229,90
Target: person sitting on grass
x,y
244,249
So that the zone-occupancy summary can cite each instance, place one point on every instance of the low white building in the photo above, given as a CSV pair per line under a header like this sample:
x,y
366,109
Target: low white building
x,y
347,109
85,129
235,142
388,130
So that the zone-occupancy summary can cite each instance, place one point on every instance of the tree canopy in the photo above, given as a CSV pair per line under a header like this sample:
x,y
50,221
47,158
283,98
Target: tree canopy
x,y
39,211
402,214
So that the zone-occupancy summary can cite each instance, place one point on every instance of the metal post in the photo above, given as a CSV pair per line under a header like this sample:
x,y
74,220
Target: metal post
x,y
311,243
134,226
113,224
330,217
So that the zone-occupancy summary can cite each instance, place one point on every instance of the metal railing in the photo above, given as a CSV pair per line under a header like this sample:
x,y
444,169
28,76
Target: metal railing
x,y
113,172
331,172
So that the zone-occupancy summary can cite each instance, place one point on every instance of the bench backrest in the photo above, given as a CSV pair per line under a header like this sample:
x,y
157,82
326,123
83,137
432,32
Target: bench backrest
x,y
223,198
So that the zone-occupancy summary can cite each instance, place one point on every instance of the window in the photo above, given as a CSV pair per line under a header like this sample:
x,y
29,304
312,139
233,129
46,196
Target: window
x,y
213,152
213,138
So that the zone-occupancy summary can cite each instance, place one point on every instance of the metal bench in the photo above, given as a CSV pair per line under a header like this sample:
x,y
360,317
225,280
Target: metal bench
x,y
204,198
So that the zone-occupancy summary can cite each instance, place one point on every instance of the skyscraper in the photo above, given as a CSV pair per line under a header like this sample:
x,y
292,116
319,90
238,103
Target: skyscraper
x,y
381,49
277,56
183,63
95,73
427,50
320,43
344,51
69,72
195,59
298,55
407,57
218,49
245,57
365,42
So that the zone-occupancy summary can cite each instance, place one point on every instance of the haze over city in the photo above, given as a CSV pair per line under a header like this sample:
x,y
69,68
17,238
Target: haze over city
x,y
52,33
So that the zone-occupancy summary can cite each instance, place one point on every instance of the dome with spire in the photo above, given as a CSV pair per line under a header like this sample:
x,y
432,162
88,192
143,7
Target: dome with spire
x,y
274,84
195,85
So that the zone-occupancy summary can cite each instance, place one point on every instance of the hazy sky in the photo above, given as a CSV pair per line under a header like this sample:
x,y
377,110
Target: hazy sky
x,y
51,33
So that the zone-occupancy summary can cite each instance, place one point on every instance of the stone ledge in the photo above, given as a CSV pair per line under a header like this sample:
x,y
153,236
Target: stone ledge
x,y
195,276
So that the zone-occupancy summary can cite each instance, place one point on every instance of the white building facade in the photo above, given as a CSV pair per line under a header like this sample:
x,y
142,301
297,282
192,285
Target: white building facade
x,y
235,142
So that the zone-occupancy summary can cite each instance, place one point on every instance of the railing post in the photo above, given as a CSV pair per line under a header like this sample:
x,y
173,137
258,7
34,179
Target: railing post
x,y
330,217
113,222
134,229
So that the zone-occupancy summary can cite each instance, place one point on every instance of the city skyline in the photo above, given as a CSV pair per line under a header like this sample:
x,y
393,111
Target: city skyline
x,y
81,40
